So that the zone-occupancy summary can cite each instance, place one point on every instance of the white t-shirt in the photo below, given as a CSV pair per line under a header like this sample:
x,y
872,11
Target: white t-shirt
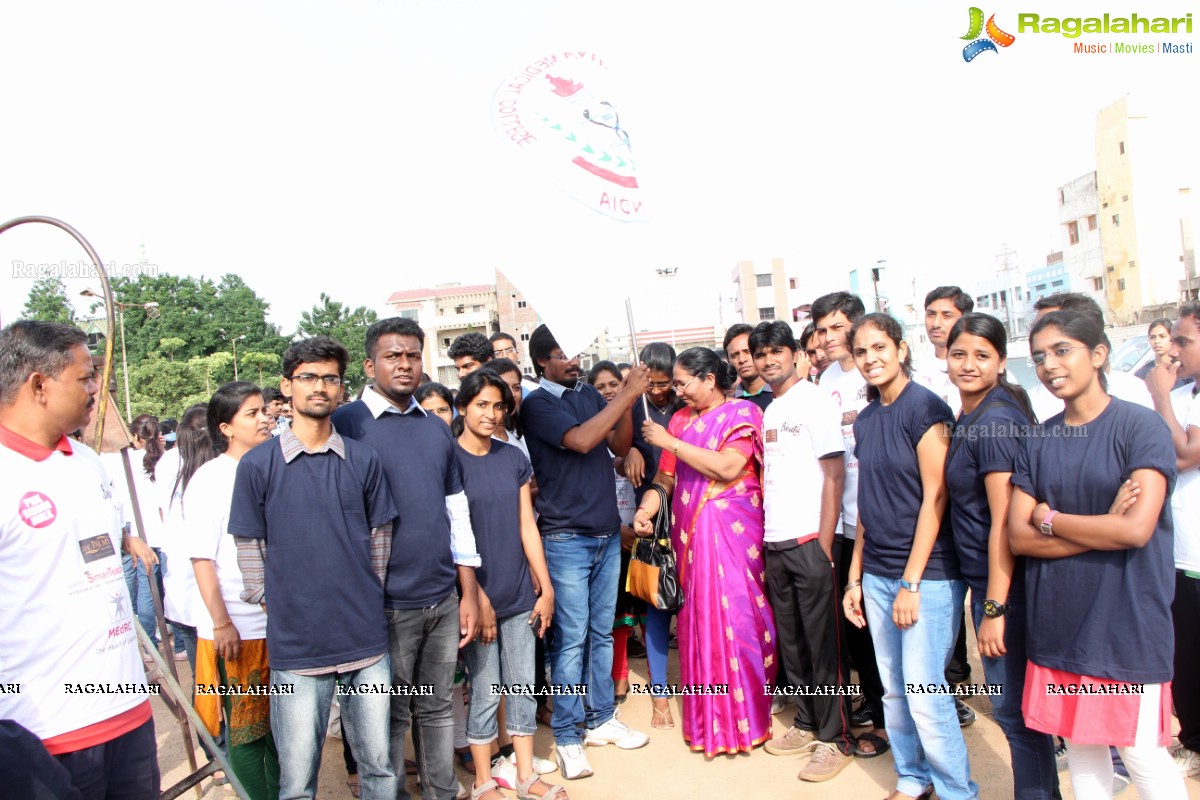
x,y
1185,500
799,427
849,393
147,494
65,617
181,598
206,523
931,372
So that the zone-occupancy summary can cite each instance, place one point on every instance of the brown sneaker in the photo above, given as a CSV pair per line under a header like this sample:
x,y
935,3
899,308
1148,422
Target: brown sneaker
x,y
826,762
792,743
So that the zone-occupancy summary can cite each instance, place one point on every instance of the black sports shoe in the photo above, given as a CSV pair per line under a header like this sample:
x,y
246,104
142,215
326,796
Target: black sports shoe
x,y
634,647
861,718
966,715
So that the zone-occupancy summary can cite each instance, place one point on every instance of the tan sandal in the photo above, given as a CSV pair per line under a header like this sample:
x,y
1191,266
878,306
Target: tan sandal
x,y
553,792
477,792
661,718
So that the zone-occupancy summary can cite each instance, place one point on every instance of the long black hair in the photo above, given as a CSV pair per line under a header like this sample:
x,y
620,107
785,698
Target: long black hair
x,y
988,327
890,327
502,367
145,427
223,407
195,446
470,388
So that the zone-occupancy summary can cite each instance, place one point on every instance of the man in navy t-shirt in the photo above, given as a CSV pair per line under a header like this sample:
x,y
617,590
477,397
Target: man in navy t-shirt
x,y
570,429
433,547
320,506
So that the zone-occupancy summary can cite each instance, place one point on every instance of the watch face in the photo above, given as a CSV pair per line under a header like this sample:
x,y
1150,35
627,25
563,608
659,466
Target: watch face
x,y
992,609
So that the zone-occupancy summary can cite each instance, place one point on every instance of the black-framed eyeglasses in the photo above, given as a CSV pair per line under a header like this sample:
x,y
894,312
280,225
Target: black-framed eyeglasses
x,y
309,378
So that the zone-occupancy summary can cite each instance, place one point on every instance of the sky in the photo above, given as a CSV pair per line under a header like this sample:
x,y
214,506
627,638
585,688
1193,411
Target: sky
x,y
352,148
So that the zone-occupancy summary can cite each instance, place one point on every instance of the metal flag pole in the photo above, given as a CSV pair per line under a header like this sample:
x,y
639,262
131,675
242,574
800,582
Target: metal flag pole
x,y
633,344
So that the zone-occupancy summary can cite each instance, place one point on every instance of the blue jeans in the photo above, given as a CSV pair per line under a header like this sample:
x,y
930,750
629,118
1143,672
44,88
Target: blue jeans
x,y
927,743
299,721
423,643
583,571
507,661
138,583
1035,775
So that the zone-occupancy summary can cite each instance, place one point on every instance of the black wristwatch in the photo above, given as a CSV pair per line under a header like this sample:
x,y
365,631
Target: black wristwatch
x,y
992,609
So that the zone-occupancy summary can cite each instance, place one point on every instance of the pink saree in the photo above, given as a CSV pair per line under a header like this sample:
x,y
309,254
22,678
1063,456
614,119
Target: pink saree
x,y
726,629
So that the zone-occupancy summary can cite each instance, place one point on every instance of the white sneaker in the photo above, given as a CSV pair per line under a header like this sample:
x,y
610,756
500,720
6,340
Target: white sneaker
x,y
543,766
1188,761
504,772
572,761
618,733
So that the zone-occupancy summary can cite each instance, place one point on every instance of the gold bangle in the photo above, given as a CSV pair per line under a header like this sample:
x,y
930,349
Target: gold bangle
x,y
675,449
224,624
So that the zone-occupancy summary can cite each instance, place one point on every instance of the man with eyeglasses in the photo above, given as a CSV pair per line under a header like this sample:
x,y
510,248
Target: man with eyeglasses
x,y
433,548
505,346
570,430
312,518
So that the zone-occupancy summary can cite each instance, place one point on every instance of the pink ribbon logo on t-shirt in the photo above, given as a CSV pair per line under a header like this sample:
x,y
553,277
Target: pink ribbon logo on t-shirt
x,y
37,510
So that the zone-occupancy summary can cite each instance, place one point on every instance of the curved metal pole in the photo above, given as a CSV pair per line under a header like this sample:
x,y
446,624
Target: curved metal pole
x,y
109,305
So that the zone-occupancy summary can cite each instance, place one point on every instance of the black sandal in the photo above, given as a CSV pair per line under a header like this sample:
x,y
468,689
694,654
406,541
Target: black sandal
x,y
880,744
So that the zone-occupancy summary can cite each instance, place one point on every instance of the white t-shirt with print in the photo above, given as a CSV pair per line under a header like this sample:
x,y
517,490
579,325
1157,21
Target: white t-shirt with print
x,y
849,392
799,427
65,616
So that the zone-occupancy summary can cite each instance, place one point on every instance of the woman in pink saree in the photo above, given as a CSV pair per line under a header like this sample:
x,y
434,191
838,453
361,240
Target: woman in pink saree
x,y
710,467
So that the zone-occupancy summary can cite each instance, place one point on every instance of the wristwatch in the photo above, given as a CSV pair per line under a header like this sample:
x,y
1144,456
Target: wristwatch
x,y
1046,526
912,587
992,609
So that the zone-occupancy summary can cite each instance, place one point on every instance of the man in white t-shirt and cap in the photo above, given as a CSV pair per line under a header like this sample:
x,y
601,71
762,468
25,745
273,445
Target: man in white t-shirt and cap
x,y
68,643
1180,409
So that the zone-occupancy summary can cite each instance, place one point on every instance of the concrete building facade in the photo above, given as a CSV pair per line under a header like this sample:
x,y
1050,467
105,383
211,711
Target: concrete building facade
x,y
444,313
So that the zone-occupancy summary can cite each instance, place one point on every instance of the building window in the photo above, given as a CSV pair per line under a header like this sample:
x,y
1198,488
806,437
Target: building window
x,y
1073,232
459,309
793,284
521,304
410,313
1091,222
524,337
762,280
1116,220
1124,198
1121,147
1056,284
1120,284
766,313
1133,265
1061,198
1041,287
476,309
1098,284
446,341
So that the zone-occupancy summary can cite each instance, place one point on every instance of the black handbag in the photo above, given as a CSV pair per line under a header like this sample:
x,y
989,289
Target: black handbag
x,y
653,576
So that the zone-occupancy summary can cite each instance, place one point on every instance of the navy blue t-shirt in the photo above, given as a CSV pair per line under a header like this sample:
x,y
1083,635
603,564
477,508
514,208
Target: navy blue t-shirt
x,y
575,490
985,441
889,483
493,483
1103,613
417,451
649,452
316,514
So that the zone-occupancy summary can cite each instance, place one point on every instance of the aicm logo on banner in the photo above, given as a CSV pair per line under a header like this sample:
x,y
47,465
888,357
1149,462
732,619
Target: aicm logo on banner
x,y
562,113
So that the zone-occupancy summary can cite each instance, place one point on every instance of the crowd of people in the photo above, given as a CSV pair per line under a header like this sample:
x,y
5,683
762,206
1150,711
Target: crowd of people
x,y
451,564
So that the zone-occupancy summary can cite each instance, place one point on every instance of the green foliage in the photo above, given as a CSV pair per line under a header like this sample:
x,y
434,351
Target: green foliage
x,y
165,388
331,318
269,362
48,302
170,344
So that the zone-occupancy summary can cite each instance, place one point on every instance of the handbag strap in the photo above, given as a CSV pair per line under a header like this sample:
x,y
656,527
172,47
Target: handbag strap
x,y
662,520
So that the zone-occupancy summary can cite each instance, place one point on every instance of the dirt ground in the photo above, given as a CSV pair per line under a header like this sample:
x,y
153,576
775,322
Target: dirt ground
x,y
666,770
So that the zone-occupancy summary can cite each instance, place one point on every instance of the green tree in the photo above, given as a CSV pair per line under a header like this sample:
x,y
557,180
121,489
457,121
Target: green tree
x,y
171,344
261,361
331,318
165,388
48,302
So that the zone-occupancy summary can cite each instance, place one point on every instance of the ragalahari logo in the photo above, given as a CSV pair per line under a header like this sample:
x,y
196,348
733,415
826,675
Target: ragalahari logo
x,y
995,36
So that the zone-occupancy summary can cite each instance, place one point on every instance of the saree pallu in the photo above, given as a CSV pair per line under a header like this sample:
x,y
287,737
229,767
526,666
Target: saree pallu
x,y
249,714
726,629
